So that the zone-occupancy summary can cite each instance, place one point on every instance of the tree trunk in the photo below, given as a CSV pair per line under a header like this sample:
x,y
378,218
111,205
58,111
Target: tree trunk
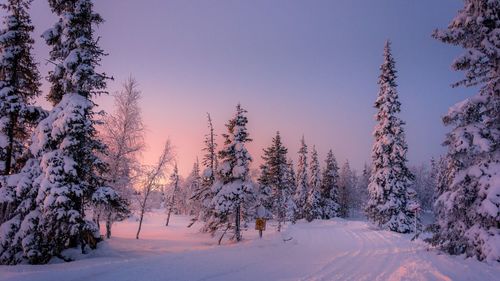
x,y
140,224
237,228
10,148
109,222
168,216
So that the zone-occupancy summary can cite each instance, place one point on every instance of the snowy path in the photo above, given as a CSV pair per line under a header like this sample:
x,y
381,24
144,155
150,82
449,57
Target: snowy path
x,y
323,250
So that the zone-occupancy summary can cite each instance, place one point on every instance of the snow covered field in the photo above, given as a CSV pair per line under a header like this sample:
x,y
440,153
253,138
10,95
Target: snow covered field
x,y
321,250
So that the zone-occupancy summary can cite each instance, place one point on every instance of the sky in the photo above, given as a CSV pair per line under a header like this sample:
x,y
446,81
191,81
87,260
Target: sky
x,y
301,67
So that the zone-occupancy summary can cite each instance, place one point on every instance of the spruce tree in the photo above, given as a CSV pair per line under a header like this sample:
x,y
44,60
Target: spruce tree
x,y
233,183
193,185
330,187
174,190
291,187
347,185
313,208
274,172
470,209
66,170
302,180
203,194
390,178
19,86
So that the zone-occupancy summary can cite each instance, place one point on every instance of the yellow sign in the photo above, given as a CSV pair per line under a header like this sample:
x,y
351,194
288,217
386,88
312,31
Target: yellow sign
x,y
260,224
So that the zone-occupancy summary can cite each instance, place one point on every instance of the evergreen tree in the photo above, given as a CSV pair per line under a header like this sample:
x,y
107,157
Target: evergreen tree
x,y
203,194
291,187
273,180
19,86
471,208
66,172
360,193
390,179
330,187
347,184
313,208
233,183
193,184
174,190
302,181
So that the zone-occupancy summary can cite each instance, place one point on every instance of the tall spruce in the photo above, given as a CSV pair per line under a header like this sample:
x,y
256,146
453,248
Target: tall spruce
x,y
291,187
193,184
203,195
233,184
330,187
302,180
469,219
274,172
174,190
390,178
312,209
347,185
19,85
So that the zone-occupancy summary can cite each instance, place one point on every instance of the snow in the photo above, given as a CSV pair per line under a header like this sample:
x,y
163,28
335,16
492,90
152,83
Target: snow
x,y
322,250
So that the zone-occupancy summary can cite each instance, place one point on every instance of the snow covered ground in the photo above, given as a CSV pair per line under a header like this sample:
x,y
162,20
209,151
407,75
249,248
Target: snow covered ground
x,y
321,250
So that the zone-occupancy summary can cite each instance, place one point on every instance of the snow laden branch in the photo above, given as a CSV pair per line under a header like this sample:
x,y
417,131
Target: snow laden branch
x,y
152,181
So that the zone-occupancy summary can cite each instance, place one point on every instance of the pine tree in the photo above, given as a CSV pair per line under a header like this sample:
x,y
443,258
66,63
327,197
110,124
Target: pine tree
x,y
302,181
313,208
204,195
19,86
66,171
233,182
347,185
330,187
360,193
273,180
174,190
470,205
193,185
390,179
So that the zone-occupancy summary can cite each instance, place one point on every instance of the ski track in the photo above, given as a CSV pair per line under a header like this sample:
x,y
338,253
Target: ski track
x,y
318,251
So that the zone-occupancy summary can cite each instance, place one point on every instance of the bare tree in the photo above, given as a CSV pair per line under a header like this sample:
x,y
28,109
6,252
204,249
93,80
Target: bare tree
x,y
151,181
123,134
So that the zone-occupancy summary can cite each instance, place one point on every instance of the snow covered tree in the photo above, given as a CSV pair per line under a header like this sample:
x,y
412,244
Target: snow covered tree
x,y
19,86
291,187
423,186
390,180
193,184
302,180
273,180
174,190
204,195
471,204
347,185
150,182
330,187
312,209
123,135
233,183
359,196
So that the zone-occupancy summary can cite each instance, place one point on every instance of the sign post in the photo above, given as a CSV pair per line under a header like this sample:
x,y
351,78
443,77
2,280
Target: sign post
x,y
260,225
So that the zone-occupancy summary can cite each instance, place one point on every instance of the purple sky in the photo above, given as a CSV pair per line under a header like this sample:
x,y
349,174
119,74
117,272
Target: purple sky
x,y
300,67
